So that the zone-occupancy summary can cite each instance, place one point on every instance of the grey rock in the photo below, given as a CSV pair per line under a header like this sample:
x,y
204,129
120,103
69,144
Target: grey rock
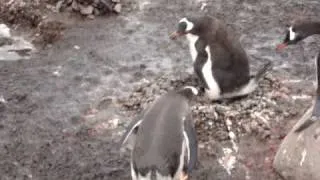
x,y
59,5
96,12
91,16
75,6
298,157
117,8
5,41
86,10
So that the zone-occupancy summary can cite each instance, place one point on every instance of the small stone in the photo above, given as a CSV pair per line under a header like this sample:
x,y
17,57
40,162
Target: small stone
x,y
117,8
75,6
59,5
86,10
76,47
96,12
69,2
90,16
116,1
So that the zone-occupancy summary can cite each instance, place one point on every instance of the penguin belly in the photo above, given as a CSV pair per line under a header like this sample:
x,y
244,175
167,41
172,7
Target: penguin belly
x,y
213,91
154,174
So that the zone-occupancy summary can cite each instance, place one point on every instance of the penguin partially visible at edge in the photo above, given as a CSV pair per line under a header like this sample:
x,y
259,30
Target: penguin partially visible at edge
x,y
297,32
219,60
165,145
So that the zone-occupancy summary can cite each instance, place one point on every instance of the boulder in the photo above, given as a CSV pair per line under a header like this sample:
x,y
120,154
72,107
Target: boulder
x,y
298,157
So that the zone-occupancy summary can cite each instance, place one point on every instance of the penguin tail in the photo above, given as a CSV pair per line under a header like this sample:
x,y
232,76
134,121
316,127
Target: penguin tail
x,y
262,72
304,126
252,83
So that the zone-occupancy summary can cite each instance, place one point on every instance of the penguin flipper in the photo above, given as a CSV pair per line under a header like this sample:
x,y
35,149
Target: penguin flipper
x,y
132,128
190,136
304,126
314,117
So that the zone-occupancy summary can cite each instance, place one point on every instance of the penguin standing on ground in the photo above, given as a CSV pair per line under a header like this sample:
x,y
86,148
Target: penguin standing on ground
x,y
296,33
219,60
165,145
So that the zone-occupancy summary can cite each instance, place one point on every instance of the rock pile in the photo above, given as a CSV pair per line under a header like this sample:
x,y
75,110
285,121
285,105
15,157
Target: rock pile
x,y
256,114
90,8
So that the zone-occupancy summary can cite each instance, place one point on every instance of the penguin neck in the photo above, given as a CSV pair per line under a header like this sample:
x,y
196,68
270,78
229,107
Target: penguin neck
x,y
192,38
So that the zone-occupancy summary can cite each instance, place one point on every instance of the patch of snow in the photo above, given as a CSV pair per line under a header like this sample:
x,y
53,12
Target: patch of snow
x,y
291,81
57,72
228,160
76,47
295,97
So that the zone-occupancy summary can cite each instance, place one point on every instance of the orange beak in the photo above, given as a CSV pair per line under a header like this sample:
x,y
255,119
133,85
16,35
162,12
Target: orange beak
x,y
282,46
175,35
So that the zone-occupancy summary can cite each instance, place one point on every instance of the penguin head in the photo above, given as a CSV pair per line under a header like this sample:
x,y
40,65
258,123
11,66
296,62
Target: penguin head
x,y
189,92
185,26
296,32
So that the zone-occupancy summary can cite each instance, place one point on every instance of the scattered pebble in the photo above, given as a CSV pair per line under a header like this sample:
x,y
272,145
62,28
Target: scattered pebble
x,y
117,8
86,10
255,114
76,47
92,7
2,99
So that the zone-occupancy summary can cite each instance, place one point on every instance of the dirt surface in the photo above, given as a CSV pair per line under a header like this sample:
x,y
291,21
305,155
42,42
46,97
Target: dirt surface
x,y
60,114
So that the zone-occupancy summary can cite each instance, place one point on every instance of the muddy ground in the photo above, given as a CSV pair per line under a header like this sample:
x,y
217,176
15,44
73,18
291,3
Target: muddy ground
x,y
60,117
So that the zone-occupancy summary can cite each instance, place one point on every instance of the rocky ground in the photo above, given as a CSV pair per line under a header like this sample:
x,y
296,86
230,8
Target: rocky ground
x,y
63,110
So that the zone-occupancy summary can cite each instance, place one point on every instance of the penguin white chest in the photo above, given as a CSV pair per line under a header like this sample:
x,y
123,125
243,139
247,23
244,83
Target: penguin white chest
x,y
214,90
192,45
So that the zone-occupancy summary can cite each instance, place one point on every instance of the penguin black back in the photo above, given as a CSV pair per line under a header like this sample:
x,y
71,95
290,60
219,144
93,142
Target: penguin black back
x,y
164,135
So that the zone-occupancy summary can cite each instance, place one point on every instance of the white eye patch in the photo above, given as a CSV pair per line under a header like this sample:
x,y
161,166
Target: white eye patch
x,y
189,23
292,34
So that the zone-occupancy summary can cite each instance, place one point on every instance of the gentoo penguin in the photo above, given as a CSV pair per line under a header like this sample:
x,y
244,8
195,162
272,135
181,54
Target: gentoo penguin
x,y
165,145
296,33
219,60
